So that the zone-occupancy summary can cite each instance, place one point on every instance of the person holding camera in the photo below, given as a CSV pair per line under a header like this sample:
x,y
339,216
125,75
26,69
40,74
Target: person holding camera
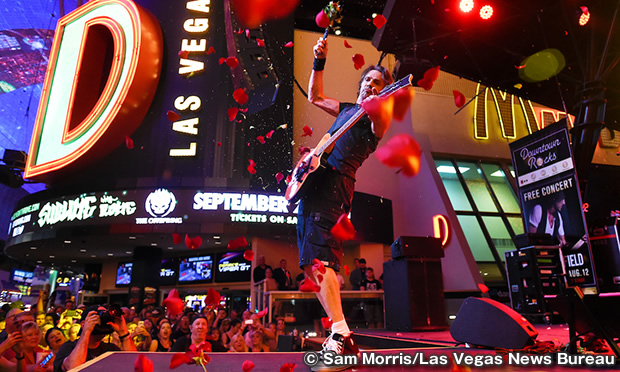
x,y
97,322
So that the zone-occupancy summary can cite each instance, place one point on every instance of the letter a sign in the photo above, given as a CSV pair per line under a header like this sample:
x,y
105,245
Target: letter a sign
x,y
102,74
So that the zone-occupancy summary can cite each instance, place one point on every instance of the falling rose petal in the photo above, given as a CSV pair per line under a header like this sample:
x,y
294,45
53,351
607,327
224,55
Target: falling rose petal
x,y
244,109
178,360
327,322
343,229
584,9
459,98
307,131
213,297
289,178
247,33
129,143
143,364
270,133
247,366
288,367
232,62
173,303
232,113
173,116
261,139
251,169
240,242
260,42
403,152
402,102
318,265
320,278
303,150
309,286
425,83
252,162
183,54
518,85
379,21
432,73
193,243
211,50
240,96
279,177
379,109
219,144
322,19
238,31
263,312
483,288
176,238
347,45
289,44
347,271
358,61
248,255
222,60
519,67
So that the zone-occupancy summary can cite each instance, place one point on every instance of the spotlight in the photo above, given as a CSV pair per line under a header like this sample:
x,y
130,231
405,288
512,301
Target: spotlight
x,y
486,12
466,5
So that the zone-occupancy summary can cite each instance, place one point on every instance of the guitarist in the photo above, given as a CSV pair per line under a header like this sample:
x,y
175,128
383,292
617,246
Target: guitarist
x,y
332,192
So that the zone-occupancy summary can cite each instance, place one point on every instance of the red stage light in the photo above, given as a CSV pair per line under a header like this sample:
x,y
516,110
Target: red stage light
x,y
585,16
466,5
486,12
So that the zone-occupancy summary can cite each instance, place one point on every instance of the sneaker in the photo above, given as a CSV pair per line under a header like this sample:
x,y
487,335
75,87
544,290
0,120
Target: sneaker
x,y
340,344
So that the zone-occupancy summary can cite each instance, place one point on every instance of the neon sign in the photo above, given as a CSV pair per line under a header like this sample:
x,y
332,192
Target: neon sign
x,y
441,229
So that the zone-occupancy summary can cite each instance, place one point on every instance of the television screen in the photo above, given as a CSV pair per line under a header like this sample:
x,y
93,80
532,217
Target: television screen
x,y
232,267
123,274
194,269
22,277
168,272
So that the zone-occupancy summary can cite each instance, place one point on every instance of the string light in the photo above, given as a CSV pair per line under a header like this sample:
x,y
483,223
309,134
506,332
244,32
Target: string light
x,y
486,12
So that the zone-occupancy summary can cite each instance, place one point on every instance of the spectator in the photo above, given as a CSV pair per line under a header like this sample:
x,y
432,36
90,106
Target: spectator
x,y
181,328
89,345
237,344
162,341
149,326
256,344
373,313
141,336
156,315
52,318
358,276
257,326
13,344
9,324
215,340
74,332
270,282
221,315
31,334
40,319
224,327
55,339
197,335
371,283
259,270
235,327
340,280
44,330
283,277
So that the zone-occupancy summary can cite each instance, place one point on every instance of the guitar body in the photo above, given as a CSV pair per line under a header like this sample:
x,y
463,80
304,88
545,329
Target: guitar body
x,y
303,172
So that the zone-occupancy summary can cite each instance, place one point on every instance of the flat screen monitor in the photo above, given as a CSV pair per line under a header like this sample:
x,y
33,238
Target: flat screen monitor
x,y
169,271
22,277
232,267
196,269
123,274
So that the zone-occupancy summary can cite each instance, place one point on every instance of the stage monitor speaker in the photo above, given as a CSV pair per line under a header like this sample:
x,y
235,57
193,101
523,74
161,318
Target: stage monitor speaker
x,y
484,322
413,295
417,247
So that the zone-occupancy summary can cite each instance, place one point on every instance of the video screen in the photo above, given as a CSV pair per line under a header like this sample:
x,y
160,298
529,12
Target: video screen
x,y
233,267
196,269
168,272
123,274
22,277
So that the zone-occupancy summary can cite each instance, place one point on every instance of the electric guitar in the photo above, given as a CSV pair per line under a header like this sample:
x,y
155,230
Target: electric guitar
x,y
309,164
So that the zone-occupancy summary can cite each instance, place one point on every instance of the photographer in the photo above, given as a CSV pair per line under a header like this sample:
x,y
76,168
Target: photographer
x,y
97,322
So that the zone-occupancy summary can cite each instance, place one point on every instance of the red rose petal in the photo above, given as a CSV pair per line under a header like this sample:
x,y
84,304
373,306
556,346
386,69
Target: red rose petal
x,y
270,133
343,229
193,243
232,62
240,96
247,366
247,33
309,286
347,45
222,60
432,74
213,297
260,42
279,177
425,83
211,50
307,131
263,312
320,278
358,61
129,143
379,21
183,54
252,162
179,359
402,102
289,44
248,255
173,116
240,242
322,19
251,169
327,322
232,113
176,238
173,303
483,288
219,144
143,364
318,265
347,272
403,152
289,178
288,367
459,98
303,150
261,139
379,109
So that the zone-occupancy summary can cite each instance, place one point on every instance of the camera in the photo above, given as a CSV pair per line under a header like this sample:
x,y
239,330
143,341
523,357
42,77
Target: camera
x,y
105,317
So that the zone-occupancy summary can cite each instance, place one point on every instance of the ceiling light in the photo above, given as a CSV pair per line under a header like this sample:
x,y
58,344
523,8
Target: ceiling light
x,y
170,248
451,169
110,254
33,248
218,242
52,256
67,241
93,255
216,237
82,250
39,261
74,261
132,238
128,252
154,244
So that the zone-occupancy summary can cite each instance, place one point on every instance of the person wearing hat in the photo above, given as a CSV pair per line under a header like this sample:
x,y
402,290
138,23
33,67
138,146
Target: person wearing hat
x,y
90,345
358,276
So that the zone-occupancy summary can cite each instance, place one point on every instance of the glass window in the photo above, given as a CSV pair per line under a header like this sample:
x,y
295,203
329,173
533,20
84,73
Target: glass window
x,y
453,185
517,225
477,187
475,238
501,188
499,233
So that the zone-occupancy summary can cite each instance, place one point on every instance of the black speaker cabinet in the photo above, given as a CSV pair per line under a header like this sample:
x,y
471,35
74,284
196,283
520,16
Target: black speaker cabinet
x,y
484,322
414,299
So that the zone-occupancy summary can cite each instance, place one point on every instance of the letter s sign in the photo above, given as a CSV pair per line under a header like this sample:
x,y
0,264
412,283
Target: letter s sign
x,y
102,74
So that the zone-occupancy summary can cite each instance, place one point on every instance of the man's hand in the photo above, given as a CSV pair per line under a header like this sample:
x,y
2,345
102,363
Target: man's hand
x,y
14,341
320,49
92,319
119,325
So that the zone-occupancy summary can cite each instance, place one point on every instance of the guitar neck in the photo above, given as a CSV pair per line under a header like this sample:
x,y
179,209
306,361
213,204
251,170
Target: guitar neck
x,y
387,91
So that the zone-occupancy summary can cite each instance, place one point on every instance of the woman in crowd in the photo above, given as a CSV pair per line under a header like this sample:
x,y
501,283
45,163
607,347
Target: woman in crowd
x,y
216,341
54,337
74,332
237,344
31,334
257,344
52,318
270,282
235,327
162,341
181,328
150,328
141,337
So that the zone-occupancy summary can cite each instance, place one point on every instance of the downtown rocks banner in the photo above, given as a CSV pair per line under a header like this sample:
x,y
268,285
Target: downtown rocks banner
x,y
550,198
